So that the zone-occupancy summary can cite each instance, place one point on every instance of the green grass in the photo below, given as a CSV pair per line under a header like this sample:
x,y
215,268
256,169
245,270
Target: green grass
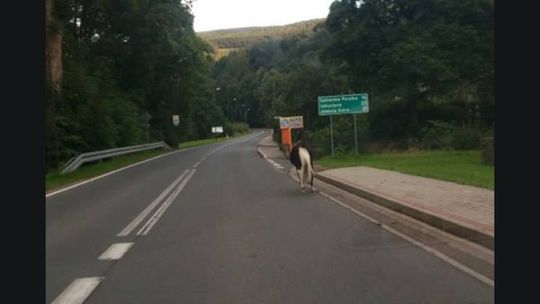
x,y
462,167
200,142
207,141
55,180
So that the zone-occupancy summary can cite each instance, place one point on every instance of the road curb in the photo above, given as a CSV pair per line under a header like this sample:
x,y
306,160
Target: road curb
x,y
261,153
459,230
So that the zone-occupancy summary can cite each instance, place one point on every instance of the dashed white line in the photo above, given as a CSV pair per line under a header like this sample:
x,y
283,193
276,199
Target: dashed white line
x,y
126,231
81,288
115,251
153,220
78,291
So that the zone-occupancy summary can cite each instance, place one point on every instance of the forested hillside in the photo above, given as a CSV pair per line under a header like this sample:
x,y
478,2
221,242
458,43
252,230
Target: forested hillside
x,y
247,36
118,70
426,65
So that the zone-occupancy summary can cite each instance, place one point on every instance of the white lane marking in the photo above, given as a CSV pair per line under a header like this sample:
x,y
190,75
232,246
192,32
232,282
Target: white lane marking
x,y
262,153
438,254
135,164
350,208
157,215
278,166
115,251
126,231
112,172
210,153
78,291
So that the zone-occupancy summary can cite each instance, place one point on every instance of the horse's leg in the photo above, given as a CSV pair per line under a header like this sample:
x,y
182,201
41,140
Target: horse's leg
x,y
300,180
312,188
305,176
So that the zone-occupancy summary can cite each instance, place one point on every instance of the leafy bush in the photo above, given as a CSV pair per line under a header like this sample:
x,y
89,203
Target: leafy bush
x,y
343,137
467,138
320,143
437,135
236,128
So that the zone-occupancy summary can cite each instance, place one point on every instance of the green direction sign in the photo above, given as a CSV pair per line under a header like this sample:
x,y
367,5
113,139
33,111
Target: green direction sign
x,y
343,104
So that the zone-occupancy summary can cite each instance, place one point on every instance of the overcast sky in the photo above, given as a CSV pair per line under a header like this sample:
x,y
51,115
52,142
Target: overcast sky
x,y
224,14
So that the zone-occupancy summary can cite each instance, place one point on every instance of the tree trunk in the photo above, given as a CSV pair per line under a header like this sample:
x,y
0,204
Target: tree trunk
x,y
53,78
53,49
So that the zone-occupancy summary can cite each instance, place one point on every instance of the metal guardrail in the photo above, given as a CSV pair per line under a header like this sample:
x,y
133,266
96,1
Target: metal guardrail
x,y
77,161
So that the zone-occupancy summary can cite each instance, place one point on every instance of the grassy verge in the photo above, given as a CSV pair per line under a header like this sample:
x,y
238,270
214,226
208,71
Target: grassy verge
x,y
55,180
462,167
200,142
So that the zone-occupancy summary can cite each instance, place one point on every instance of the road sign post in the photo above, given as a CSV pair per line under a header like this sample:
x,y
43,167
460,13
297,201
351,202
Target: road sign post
x,y
343,104
355,136
175,131
331,136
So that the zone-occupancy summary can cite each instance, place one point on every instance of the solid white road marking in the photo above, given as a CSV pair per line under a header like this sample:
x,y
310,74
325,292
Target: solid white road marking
x,y
78,291
438,254
115,251
153,220
112,172
276,165
136,164
262,153
150,207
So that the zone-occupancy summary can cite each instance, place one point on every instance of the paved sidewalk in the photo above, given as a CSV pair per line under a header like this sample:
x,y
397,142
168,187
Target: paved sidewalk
x,y
462,210
268,148
465,211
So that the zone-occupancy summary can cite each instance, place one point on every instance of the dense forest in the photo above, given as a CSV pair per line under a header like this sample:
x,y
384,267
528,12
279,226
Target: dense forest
x,y
426,65
117,70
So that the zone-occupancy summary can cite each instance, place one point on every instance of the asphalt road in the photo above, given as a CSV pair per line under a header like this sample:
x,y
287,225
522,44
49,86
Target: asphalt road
x,y
219,224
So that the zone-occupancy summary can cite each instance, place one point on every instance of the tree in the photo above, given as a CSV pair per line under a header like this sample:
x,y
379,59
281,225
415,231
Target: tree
x,y
413,51
121,61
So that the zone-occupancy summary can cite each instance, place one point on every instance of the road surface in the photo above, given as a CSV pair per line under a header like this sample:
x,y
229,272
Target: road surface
x,y
219,224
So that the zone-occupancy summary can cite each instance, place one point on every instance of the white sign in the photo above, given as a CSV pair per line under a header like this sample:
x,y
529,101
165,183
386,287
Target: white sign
x,y
292,122
218,129
176,120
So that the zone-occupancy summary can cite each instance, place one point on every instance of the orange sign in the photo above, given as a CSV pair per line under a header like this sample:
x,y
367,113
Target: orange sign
x,y
286,138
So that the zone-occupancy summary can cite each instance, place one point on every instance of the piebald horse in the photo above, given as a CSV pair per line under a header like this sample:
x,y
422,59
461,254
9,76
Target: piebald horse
x,y
301,158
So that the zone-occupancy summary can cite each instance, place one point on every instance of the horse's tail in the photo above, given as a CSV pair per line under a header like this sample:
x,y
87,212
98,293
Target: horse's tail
x,y
307,163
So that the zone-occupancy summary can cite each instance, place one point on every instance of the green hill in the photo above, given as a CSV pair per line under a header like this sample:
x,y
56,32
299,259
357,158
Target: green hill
x,y
227,40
